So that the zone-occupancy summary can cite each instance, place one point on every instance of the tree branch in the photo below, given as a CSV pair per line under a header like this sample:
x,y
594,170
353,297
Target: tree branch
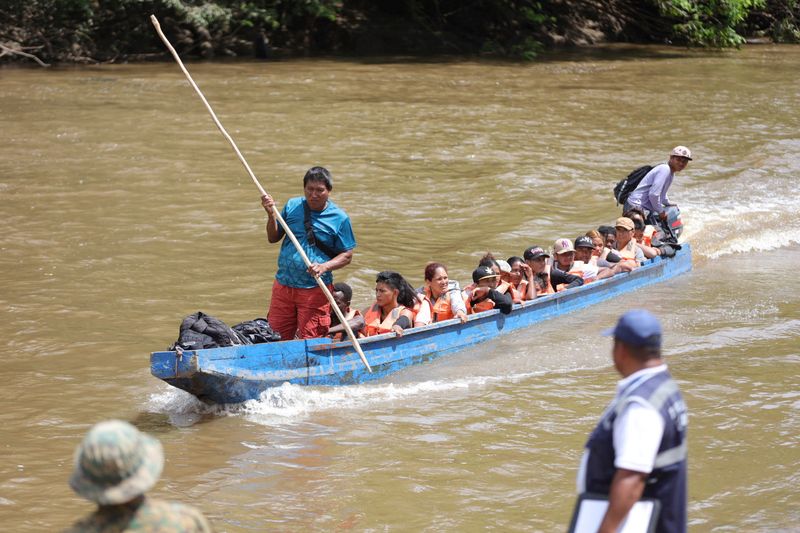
x,y
6,50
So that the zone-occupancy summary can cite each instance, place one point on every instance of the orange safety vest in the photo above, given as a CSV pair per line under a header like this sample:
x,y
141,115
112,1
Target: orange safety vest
x,y
647,237
484,305
440,309
629,251
506,287
337,337
373,324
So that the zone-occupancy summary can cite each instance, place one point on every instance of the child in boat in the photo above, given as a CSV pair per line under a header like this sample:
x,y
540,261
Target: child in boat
x,y
485,295
343,295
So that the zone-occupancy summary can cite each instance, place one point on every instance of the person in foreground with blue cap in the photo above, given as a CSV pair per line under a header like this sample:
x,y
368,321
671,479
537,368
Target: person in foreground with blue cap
x,y
639,447
114,466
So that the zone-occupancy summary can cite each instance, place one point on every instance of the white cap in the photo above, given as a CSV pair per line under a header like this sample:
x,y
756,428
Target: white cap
x,y
681,151
504,266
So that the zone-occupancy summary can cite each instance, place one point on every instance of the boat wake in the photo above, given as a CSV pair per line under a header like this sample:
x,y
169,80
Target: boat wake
x,y
755,210
293,403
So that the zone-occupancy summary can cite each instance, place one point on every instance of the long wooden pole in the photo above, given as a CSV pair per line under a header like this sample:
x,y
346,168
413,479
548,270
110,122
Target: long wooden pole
x,y
277,214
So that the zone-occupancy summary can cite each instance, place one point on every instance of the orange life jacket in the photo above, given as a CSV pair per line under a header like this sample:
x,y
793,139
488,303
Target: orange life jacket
x,y
629,251
522,290
484,305
372,320
440,309
506,287
647,237
338,337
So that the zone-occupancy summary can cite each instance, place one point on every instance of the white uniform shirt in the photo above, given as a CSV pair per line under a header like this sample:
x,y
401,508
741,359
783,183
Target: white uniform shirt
x,y
637,432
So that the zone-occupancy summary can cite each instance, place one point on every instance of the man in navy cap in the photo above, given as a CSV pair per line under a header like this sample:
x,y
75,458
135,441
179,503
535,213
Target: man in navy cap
x,y
639,447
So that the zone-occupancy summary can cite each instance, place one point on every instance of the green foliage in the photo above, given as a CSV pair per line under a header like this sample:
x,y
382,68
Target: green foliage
x,y
708,22
114,30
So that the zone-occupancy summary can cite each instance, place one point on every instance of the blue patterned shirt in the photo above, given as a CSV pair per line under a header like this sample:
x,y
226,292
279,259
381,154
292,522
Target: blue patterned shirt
x,y
331,226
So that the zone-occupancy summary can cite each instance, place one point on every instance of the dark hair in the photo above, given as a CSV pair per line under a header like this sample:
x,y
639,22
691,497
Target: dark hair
x,y
644,353
607,230
345,289
319,174
407,295
514,259
488,260
634,211
430,269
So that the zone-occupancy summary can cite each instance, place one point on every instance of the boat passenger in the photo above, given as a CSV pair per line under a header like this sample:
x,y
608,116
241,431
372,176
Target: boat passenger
x,y
505,285
299,307
394,300
584,252
565,261
644,234
536,258
626,244
546,277
444,294
522,278
602,254
487,260
609,236
485,295
343,295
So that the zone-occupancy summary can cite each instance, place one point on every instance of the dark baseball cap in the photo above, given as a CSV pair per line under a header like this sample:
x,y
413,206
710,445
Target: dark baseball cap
x,y
584,242
533,252
483,272
637,328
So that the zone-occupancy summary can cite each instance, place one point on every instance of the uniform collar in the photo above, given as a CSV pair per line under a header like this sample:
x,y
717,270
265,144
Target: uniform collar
x,y
643,373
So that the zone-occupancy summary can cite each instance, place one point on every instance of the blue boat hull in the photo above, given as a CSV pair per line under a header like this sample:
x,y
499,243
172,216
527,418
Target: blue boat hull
x,y
238,373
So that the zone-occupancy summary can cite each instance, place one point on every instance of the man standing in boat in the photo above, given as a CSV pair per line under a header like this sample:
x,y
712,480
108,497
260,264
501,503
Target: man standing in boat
x,y
299,308
651,193
639,447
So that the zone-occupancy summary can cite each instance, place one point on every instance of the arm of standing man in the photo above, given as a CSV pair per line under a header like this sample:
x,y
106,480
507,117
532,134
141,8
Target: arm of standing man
x,y
274,231
626,489
340,261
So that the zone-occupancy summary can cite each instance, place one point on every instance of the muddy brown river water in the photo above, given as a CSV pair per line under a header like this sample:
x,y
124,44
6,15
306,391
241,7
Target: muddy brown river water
x,y
123,210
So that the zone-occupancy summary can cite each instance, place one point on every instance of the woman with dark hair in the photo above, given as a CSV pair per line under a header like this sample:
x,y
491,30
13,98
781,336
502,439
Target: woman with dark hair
x,y
444,294
522,278
392,310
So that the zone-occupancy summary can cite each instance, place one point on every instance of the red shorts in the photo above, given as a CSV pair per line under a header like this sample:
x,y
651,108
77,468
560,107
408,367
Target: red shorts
x,y
299,313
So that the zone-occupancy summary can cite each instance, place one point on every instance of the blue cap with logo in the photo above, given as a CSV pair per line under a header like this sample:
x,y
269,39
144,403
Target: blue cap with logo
x,y
637,328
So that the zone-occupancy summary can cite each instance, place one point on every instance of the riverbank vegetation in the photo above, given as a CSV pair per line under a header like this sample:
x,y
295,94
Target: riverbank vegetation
x,y
119,30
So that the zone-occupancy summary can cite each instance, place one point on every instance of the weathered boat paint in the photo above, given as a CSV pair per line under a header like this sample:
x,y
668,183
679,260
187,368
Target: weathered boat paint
x,y
238,373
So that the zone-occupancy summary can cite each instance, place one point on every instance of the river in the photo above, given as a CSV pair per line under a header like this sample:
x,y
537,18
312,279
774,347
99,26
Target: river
x,y
125,210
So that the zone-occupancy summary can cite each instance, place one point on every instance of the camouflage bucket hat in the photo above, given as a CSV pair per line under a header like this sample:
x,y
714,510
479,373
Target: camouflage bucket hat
x,y
115,463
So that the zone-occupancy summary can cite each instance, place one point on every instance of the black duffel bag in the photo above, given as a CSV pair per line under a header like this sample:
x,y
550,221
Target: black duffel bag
x,y
257,331
199,331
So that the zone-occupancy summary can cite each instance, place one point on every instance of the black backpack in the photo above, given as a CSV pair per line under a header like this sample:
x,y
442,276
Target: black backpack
x,y
626,186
